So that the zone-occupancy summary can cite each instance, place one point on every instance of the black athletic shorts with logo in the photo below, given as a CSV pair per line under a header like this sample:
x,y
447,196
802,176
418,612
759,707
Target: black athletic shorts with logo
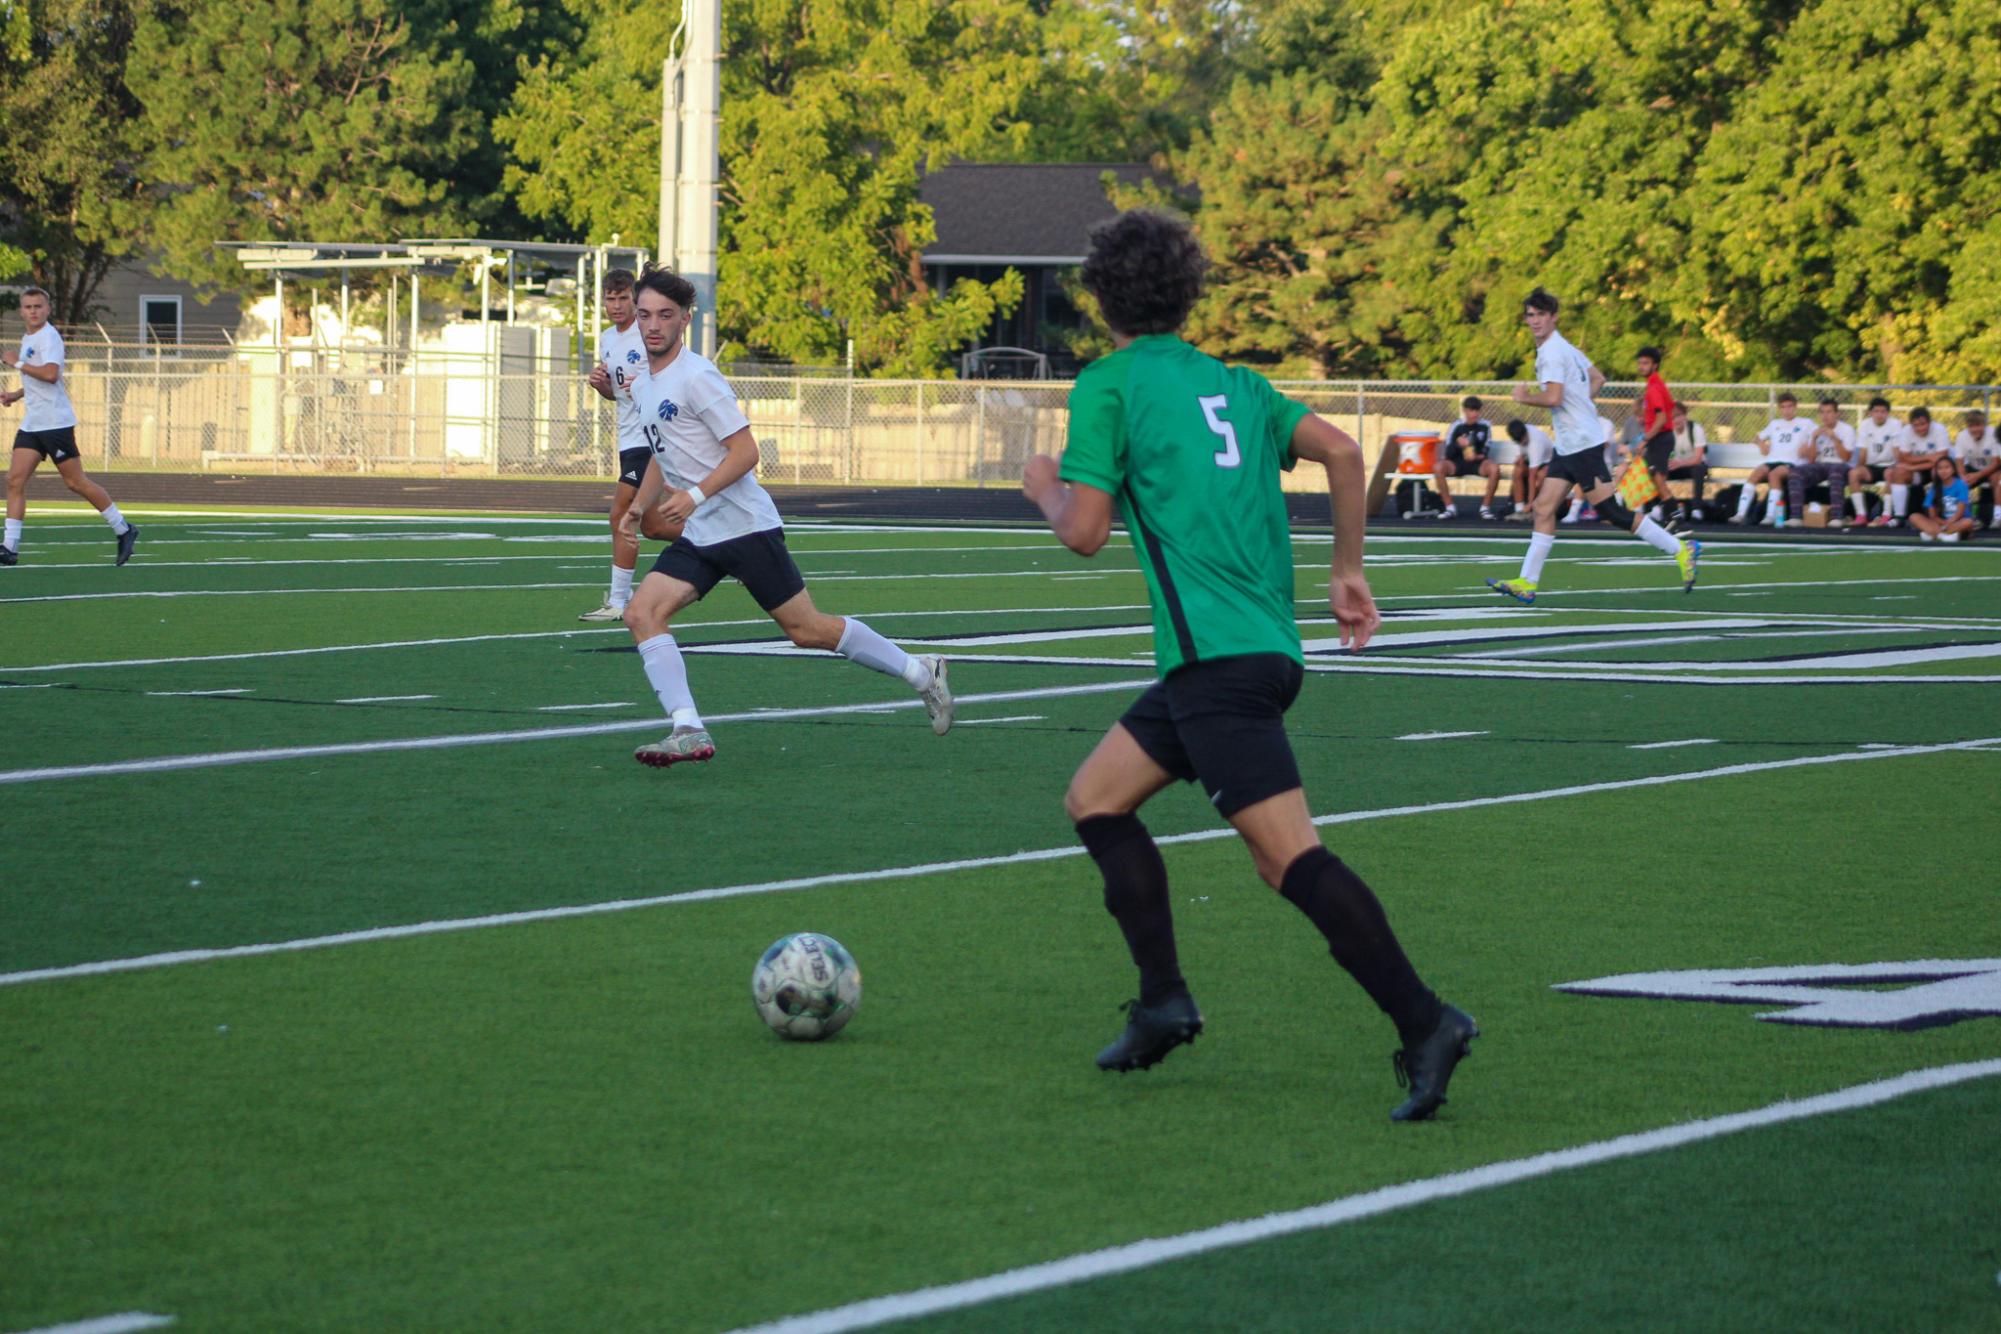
x,y
632,465
1660,448
57,446
1586,467
1222,722
759,561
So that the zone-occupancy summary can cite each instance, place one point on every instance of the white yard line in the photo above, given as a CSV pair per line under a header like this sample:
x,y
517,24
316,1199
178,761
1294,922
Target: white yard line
x,y
294,592
382,699
578,708
123,1323
225,758
1017,718
1090,1265
171,694
447,925
1670,745
1438,736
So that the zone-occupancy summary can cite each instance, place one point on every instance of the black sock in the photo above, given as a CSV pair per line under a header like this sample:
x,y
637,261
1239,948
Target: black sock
x,y
1136,895
1320,885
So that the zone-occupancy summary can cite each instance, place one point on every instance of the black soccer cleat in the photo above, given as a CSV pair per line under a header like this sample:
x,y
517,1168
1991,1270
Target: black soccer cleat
x,y
1152,1031
1426,1068
126,541
9,556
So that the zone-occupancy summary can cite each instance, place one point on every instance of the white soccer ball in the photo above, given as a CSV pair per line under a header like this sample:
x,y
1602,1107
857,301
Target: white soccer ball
x,y
806,986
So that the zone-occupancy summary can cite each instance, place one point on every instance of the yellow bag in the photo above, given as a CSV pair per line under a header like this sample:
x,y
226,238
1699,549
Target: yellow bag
x,y
1636,485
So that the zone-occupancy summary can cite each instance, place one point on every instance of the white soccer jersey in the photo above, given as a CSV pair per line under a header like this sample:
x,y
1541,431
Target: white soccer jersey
x,y
1934,440
1879,443
46,406
623,355
1540,447
1975,451
1609,433
1575,419
1785,435
686,411
1843,434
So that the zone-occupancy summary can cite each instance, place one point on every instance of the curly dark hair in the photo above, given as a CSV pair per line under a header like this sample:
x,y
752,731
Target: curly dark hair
x,y
667,283
1145,269
1540,300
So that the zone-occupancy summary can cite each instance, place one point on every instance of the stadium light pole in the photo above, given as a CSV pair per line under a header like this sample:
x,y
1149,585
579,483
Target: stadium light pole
x,y
690,158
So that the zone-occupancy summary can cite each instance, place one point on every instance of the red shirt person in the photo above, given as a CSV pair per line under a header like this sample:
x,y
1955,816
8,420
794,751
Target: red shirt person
x,y
1656,419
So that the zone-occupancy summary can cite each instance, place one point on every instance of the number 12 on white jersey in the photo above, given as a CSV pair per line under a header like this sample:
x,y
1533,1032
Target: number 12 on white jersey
x,y
1213,405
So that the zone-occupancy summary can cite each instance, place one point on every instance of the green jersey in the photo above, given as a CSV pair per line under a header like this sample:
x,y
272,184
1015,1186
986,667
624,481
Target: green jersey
x,y
1192,449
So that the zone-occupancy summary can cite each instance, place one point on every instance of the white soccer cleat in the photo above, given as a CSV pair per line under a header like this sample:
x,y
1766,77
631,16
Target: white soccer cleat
x,y
606,611
676,748
938,697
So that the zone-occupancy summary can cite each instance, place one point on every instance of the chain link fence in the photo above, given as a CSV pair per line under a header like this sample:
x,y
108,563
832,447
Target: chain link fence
x,y
445,414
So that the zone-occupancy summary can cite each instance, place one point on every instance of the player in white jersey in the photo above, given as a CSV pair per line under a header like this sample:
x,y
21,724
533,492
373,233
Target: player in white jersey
x,y
48,429
1780,443
1923,443
621,355
700,478
1566,381
1875,455
1530,465
1980,462
1822,458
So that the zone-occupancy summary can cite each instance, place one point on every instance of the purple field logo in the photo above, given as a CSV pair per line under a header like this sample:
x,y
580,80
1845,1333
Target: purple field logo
x,y
1927,992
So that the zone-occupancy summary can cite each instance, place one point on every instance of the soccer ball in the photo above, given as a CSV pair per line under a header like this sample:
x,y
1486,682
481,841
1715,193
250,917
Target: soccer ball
x,y
806,987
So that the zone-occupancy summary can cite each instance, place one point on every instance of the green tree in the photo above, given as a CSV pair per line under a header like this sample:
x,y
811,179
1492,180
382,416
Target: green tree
x,y
309,120
1850,224
66,153
831,113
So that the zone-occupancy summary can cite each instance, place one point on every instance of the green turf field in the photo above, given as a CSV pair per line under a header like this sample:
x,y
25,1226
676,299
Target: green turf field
x,y
352,976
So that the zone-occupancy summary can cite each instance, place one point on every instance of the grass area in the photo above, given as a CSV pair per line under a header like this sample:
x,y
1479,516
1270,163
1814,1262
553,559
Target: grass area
x,y
579,1122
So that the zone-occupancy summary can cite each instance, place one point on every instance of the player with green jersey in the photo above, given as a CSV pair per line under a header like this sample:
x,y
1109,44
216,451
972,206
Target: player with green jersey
x,y
1190,451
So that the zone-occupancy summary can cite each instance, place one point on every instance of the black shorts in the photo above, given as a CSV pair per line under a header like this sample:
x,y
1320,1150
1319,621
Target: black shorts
x,y
1586,467
632,465
57,446
1467,467
1660,448
758,561
1223,722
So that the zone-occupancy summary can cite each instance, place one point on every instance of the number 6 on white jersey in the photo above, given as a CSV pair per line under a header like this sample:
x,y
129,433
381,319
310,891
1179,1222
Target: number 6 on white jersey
x,y
1212,404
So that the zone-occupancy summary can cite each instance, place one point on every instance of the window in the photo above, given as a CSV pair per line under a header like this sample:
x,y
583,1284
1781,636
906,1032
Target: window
x,y
160,319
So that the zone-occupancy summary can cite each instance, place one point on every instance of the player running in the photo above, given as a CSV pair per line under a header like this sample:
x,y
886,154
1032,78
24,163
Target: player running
x,y
621,354
1568,381
48,430
698,480
1192,450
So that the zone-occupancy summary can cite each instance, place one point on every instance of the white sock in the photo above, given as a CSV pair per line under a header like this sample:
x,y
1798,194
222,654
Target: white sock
x,y
1576,507
668,675
1900,499
1861,505
621,585
1745,495
1657,537
115,519
13,542
863,645
1539,545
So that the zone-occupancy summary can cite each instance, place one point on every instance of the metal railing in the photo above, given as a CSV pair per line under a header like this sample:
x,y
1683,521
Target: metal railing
x,y
440,413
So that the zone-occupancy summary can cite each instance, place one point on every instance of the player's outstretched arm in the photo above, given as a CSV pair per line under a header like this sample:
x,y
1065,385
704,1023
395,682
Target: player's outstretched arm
x,y
1348,595
1549,396
1080,515
47,374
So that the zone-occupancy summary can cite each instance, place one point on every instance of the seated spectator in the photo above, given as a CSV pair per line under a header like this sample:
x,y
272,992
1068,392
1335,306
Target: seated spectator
x,y
1823,459
1923,443
1948,512
1536,447
1779,442
1687,462
1874,458
1465,455
1981,458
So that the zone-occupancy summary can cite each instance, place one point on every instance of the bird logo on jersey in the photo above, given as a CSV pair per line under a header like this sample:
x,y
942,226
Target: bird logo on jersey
x,y
668,411
632,356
